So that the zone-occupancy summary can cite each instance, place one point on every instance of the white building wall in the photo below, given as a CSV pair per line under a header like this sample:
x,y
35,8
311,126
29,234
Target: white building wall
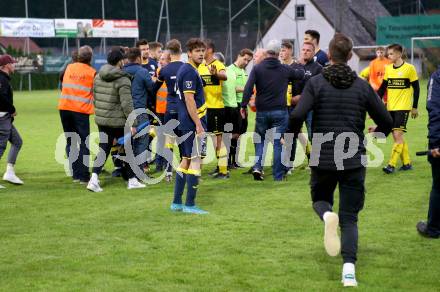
x,y
286,27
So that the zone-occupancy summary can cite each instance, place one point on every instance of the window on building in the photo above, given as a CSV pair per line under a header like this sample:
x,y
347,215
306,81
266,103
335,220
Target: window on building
x,y
300,11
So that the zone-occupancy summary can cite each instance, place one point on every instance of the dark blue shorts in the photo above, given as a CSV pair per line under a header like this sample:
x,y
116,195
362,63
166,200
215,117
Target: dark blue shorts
x,y
192,146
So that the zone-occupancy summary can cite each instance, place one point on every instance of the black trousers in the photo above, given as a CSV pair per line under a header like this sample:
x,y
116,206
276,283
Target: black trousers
x,y
351,201
76,123
434,198
106,137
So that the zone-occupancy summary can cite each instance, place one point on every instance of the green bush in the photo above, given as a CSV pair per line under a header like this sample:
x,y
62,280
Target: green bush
x,y
39,81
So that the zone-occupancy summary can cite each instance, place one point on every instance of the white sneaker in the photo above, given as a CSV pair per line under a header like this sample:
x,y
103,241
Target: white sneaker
x,y
2,187
348,275
332,242
349,280
133,183
93,186
12,178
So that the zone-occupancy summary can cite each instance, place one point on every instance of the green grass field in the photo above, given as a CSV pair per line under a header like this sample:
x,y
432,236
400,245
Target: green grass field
x,y
259,236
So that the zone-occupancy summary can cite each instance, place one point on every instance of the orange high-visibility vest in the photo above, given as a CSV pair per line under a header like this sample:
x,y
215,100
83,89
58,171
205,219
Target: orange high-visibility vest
x,y
377,71
77,89
161,98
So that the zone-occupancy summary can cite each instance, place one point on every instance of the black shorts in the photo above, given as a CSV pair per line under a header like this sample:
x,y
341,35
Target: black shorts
x,y
400,118
232,116
216,120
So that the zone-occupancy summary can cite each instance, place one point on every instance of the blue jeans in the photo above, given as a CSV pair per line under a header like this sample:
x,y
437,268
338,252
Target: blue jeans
x,y
276,120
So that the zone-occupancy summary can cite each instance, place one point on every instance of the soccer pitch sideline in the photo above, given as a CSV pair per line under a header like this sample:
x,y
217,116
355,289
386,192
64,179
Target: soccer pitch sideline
x,y
259,236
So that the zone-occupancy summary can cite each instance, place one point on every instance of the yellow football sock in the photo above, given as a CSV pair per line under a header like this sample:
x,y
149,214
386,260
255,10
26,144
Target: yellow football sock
x,y
405,154
395,154
223,160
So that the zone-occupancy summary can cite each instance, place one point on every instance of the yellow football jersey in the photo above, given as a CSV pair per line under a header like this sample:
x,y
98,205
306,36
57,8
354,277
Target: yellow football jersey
x,y
399,89
213,87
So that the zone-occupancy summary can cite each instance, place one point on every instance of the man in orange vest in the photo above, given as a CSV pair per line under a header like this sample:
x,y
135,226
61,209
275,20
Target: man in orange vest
x,y
161,107
75,106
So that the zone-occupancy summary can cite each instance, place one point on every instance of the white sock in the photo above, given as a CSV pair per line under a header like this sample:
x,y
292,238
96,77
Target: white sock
x,y
348,268
94,177
326,215
9,167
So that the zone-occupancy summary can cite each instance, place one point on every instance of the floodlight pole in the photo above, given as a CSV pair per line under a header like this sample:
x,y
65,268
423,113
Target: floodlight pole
x,y
104,46
201,19
136,15
66,39
163,6
27,46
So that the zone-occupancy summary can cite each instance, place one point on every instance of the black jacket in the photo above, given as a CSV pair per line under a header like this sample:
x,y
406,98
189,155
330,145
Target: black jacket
x,y
311,69
340,101
271,79
6,96
433,106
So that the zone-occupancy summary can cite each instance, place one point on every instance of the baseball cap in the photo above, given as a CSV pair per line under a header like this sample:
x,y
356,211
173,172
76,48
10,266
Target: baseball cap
x,y
115,55
6,59
273,47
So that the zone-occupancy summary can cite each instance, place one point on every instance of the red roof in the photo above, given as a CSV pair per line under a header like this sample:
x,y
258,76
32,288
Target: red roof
x,y
18,43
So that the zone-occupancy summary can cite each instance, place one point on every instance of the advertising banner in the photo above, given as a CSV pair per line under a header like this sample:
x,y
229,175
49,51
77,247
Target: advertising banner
x,y
27,27
401,29
73,28
115,28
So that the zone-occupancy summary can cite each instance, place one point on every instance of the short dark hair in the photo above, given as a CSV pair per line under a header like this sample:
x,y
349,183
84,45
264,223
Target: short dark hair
x,y
380,49
210,44
174,46
133,54
287,44
195,43
115,55
395,47
141,42
340,48
246,52
85,54
314,34
155,45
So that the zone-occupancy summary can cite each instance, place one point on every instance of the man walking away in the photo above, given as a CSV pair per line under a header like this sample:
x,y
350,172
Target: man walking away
x,y
8,132
76,106
431,228
340,102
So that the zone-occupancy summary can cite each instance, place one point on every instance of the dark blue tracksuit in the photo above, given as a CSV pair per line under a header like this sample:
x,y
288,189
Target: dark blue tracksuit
x,y
433,106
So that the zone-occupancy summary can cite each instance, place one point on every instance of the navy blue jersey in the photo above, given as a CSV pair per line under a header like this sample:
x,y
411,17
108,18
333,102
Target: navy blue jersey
x,y
322,58
168,75
189,81
151,66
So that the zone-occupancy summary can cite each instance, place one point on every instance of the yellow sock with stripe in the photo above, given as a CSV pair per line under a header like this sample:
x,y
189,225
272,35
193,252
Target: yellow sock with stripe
x,y
222,160
405,154
395,154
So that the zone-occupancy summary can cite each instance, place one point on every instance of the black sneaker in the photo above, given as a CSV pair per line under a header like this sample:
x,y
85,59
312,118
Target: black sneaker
x,y
388,169
406,167
221,176
257,175
214,172
422,228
